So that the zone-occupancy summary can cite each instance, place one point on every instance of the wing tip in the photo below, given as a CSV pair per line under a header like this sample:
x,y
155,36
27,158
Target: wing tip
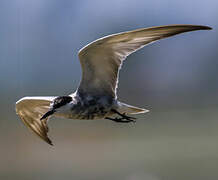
x,y
205,27
49,141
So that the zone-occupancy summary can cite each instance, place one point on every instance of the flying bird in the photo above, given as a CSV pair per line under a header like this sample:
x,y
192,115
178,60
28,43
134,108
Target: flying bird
x,y
96,96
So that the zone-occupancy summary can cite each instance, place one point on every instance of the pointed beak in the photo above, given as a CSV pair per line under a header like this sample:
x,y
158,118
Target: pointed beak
x,y
47,114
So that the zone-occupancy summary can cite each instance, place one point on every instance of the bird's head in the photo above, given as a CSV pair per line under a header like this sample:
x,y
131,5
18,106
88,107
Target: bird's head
x,y
57,103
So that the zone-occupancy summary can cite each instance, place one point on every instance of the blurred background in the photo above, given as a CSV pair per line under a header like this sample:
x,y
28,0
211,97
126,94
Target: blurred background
x,y
176,78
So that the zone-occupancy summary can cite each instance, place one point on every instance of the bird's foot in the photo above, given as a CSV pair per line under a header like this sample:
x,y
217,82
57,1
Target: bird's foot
x,y
120,120
123,119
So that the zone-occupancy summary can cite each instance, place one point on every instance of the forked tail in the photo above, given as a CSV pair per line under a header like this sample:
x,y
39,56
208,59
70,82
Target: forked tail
x,y
128,109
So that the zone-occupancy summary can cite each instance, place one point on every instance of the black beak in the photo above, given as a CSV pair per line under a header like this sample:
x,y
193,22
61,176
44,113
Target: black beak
x,y
47,114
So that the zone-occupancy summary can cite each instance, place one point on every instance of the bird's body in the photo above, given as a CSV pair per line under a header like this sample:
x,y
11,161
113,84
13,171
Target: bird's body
x,y
83,106
87,107
96,96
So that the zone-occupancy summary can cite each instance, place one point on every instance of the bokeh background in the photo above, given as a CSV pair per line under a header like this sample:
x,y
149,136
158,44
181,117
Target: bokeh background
x,y
176,78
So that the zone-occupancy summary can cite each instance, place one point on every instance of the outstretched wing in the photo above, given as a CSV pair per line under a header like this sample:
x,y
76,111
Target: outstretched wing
x,y
102,59
30,110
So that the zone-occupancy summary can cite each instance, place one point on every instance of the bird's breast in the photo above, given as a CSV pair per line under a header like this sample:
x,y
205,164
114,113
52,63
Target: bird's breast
x,y
92,108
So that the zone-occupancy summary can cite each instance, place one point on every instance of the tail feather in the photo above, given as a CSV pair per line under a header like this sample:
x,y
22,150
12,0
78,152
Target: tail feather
x,y
128,109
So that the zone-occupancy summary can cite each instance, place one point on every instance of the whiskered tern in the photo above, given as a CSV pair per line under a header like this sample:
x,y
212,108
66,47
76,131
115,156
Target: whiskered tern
x,y
96,96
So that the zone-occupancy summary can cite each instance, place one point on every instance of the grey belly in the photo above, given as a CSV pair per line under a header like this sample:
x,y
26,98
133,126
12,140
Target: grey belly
x,y
95,107
91,112
90,115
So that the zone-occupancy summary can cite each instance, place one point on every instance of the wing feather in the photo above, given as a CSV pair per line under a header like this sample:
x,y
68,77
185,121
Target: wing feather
x,y
102,59
30,110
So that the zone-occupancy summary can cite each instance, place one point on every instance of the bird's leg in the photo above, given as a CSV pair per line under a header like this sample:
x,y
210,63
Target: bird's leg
x,y
124,116
119,120
123,119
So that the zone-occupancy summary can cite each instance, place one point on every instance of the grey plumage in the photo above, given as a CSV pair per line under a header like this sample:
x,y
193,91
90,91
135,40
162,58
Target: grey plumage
x,y
96,96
